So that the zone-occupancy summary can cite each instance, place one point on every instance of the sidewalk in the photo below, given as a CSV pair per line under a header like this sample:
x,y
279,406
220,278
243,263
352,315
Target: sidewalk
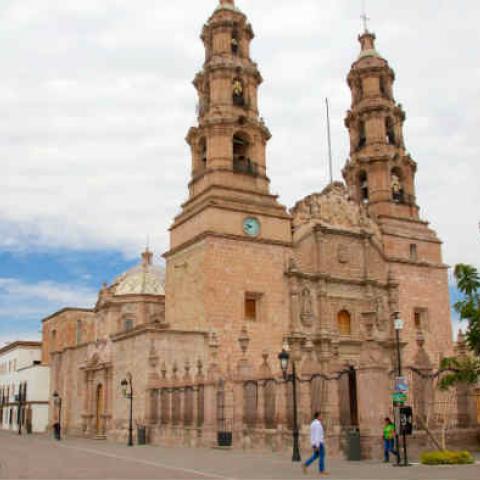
x,y
40,457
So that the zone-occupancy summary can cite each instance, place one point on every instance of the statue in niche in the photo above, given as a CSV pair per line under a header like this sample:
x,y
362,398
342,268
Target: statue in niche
x,y
306,307
397,190
381,313
237,93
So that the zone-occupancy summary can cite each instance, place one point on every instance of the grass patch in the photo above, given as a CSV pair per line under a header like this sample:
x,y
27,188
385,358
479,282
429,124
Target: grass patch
x,y
447,458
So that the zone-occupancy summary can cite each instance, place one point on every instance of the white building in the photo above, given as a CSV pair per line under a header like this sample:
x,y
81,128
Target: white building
x,y
21,370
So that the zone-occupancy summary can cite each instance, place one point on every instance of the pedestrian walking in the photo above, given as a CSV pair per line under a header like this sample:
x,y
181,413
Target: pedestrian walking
x,y
317,440
388,440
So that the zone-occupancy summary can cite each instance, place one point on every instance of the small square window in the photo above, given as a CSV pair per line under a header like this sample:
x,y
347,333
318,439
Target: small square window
x,y
251,307
420,319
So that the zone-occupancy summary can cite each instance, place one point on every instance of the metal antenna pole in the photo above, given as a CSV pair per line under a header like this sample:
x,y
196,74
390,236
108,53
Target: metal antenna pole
x,y
330,165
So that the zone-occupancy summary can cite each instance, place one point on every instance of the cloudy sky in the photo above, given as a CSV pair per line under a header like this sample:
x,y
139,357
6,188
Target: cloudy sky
x,y
96,99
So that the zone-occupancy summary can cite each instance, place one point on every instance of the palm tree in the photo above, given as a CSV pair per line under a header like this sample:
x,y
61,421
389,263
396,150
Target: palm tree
x,y
468,282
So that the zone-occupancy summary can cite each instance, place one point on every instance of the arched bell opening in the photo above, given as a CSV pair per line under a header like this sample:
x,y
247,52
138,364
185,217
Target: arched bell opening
x,y
363,186
242,162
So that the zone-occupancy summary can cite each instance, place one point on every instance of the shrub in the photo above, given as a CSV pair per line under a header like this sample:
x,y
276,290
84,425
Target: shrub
x,y
447,458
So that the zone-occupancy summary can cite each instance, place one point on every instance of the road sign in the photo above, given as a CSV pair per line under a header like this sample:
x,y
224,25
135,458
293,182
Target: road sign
x,y
401,385
399,397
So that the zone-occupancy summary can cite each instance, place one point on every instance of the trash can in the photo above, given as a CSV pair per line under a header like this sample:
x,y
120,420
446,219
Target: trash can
x,y
354,453
224,439
142,435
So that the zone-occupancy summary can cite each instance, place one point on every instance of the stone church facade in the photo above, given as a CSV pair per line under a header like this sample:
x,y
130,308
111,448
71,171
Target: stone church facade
x,y
246,277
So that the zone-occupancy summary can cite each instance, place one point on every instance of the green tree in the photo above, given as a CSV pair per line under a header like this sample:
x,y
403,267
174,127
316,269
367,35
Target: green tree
x,y
468,282
459,370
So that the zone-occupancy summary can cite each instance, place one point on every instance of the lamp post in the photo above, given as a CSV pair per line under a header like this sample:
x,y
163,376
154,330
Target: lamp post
x,y
127,391
57,401
398,325
284,358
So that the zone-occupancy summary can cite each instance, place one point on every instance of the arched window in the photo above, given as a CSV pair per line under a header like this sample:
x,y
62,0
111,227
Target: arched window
x,y
362,136
238,93
235,43
250,414
270,404
200,405
363,186
344,323
188,406
398,194
164,406
127,324
390,131
176,406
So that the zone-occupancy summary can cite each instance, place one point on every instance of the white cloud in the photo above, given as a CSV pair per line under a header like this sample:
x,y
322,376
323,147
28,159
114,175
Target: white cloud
x,y
96,99
23,305
47,291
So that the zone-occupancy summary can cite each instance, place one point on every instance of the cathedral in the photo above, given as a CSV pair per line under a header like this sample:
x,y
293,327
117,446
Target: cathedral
x,y
245,278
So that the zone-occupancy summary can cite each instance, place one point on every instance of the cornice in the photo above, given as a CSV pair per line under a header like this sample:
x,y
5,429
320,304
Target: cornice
x,y
225,236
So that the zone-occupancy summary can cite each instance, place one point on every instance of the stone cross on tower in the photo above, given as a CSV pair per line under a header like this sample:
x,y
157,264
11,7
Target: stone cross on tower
x,y
364,17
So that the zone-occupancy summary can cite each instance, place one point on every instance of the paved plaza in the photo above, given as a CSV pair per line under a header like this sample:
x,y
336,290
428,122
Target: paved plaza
x,y
40,457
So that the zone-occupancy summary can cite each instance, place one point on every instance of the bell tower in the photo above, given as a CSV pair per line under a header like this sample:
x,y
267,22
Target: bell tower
x,y
380,172
229,173
381,175
230,244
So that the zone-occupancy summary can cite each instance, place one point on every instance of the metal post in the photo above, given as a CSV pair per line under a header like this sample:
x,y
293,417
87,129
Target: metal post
x,y
296,449
399,355
19,412
59,418
404,436
130,421
396,412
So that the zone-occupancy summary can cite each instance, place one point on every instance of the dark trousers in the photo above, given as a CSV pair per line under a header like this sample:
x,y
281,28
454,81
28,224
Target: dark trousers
x,y
388,447
320,454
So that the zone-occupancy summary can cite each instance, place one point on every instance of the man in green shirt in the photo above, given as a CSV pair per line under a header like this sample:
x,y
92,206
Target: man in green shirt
x,y
388,440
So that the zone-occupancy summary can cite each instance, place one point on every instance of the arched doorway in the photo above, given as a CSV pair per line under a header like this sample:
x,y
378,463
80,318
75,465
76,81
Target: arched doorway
x,y
99,411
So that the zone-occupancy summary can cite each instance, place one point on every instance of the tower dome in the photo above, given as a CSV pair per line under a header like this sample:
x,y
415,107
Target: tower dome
x,y
143,279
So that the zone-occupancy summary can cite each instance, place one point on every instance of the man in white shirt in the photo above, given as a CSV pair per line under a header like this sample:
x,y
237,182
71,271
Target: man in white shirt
x,y
317,439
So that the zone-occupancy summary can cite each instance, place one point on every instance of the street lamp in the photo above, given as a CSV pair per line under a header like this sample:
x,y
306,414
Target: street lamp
x,y
57,401
284,358
398,326
127,392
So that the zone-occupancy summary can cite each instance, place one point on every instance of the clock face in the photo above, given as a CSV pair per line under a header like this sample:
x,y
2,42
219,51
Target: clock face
x,y
251,226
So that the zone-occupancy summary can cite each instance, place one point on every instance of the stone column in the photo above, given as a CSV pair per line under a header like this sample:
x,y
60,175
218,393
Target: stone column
x,y
372,383
210,419
261,405
195,407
